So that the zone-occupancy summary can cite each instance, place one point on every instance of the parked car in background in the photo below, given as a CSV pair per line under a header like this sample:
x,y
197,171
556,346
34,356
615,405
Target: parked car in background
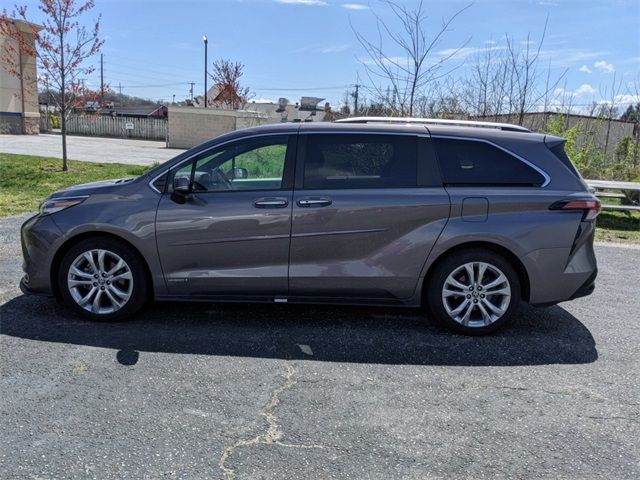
x,y
465,218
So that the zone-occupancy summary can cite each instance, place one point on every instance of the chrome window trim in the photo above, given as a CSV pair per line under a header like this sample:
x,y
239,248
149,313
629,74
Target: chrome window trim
x,y
545,175
547,178
152,181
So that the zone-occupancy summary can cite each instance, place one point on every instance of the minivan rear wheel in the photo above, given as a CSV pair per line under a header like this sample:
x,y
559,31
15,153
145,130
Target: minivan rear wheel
x,y
473,292
102,279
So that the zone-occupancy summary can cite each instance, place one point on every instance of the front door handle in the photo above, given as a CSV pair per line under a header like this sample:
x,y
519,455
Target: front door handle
x,y
314,202
272,202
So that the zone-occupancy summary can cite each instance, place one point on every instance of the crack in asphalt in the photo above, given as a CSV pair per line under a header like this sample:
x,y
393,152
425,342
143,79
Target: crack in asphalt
x,y
595,417
273,433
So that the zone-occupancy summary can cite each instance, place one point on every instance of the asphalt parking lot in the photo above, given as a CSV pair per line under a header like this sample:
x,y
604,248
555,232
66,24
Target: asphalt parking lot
x,y
272,391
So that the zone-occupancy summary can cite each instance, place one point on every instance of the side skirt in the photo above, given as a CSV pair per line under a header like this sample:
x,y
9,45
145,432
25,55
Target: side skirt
x,y
283,299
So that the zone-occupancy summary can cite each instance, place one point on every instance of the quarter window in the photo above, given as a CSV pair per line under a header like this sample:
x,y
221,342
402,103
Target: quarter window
x,y
360,161
469,162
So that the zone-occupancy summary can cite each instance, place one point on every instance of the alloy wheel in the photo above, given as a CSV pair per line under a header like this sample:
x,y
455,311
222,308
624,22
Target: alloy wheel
x,y
100,281
476,294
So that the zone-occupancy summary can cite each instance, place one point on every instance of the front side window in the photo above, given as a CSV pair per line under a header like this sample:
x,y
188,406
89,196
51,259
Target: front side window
x,y
360,161
251,164
470,162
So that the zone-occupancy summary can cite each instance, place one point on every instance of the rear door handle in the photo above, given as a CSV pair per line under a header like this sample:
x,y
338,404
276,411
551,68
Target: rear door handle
x,y
272,202
314,202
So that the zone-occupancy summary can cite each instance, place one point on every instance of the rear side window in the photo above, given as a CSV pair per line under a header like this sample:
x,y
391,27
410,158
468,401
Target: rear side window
x,y
470,162
360,161
561,155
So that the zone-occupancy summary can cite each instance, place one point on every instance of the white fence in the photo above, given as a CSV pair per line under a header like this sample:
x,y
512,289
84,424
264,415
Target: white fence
x,y
121,127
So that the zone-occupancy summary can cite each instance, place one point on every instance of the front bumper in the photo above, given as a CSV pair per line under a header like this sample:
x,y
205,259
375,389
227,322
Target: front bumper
x,y
24,287
40,237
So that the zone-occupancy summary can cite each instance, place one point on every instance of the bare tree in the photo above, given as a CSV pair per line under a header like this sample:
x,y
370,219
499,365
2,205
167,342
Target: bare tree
x,y
62,48
397,80
608,109
525,75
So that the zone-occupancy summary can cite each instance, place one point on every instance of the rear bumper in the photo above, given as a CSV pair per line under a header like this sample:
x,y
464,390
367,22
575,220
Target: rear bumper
x,y
587,287
561,274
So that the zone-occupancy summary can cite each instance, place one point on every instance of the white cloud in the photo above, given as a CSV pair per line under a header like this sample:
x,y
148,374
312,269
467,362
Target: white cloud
x,y
584,89
355,6
584,69
563,57
313,3
464,52
549,4
627,99
604,67
335,48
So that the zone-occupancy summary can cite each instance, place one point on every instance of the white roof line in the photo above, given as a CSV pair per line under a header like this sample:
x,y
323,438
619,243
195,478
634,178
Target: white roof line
x,y
434,121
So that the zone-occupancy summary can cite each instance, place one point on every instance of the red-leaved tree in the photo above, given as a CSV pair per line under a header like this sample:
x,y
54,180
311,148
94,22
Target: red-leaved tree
x,y
62,48
226,79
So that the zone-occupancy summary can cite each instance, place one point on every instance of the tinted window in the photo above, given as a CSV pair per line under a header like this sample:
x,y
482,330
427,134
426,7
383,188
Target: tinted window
x,y
470,162
360,161
252,164
561,155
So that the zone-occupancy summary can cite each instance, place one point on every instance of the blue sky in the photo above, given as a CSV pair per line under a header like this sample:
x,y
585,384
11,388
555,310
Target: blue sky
x,y
154,48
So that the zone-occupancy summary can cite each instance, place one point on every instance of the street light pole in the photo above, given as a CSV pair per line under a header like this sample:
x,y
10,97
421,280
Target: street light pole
x,y
204,38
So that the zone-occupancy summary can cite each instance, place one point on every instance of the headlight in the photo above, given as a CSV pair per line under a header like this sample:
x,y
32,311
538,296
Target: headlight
x,y
54,205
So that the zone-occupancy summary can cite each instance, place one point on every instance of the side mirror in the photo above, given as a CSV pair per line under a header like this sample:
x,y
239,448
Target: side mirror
x,y
182,185
181,189
239,173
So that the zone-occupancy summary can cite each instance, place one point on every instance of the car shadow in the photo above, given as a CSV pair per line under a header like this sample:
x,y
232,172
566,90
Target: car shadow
x,y
304,332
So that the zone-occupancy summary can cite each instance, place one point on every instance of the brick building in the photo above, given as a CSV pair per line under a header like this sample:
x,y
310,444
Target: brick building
x,y
19,90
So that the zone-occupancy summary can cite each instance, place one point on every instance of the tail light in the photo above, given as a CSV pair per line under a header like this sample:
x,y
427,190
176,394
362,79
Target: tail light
x,y
590,207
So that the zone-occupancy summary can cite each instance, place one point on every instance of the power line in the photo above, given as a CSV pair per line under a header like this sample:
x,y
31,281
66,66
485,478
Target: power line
x,y
280,89
155,86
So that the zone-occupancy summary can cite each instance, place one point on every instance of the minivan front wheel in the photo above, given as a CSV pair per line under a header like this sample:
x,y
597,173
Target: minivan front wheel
x,y
102,279
474,291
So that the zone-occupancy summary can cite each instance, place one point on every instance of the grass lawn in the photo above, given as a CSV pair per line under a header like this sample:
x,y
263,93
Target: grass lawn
x,y
614,226
26,180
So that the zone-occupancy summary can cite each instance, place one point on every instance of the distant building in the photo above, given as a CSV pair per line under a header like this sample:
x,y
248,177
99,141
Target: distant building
x,y
19,112
284,111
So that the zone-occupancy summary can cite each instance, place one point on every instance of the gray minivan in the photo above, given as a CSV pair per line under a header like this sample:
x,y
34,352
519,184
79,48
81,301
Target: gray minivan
x,y
464,218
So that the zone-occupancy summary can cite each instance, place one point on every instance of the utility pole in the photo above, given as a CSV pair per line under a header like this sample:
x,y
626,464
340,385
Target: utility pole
x,y
120,88
206,42
191,90
101,79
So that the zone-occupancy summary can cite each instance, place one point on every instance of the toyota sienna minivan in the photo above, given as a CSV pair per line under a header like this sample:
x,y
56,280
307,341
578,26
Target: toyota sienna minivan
x,y
467,219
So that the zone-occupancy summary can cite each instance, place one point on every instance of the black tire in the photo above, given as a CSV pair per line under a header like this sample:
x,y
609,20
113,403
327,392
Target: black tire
x,y
451,263
139,290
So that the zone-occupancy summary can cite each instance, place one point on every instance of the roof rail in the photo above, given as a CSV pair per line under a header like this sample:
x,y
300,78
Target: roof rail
x,y
436,121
